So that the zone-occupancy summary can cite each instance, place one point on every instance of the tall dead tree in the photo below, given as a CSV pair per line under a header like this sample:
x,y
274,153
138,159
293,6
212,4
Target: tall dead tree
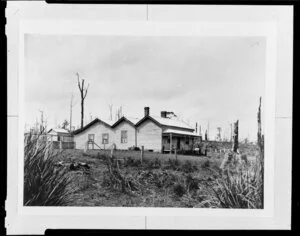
x,y
42,121
200,131
259,133
119,113
110,106
207,133
260,143
230,132
71,110
83,93
235,143
219,134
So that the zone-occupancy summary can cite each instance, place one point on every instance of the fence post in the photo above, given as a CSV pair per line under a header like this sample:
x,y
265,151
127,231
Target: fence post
x,y
142,154
60,145
176,154
111,153
171,145
85,146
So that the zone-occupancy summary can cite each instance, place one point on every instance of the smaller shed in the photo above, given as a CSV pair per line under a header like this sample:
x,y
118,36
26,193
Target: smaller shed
x,y
59,134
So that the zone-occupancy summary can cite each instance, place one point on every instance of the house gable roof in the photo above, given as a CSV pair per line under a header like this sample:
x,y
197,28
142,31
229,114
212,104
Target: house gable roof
x,y
135,122
172,123
95,121
59,130
123,119
148,118
160,121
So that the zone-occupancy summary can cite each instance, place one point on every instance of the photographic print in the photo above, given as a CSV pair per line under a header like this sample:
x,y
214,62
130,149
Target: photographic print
x,y
144,121
148,117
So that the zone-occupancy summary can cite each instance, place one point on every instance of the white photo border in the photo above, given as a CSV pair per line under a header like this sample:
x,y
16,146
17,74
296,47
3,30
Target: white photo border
x,y
70,215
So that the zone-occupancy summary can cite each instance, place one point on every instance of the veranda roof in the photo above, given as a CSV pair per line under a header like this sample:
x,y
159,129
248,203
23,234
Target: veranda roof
x,y
179,132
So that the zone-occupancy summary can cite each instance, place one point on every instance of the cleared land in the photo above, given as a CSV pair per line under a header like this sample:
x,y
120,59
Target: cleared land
x,y
159,181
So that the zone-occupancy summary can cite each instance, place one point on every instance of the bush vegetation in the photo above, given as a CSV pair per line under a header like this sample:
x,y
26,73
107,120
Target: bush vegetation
x,y
238,188
45,183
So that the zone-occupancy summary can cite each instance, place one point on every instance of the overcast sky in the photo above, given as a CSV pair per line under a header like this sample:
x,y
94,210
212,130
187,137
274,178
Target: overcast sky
x,y
202,79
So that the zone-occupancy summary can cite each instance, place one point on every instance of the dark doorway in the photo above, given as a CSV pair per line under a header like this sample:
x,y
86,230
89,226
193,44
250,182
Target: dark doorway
x,y
178,143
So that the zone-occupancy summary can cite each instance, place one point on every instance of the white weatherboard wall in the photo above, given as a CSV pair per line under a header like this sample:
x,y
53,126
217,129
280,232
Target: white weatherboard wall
x,y
130,135
97,129
149,135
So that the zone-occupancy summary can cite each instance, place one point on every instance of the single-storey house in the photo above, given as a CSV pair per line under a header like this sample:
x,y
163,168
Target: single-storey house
x,y
156,133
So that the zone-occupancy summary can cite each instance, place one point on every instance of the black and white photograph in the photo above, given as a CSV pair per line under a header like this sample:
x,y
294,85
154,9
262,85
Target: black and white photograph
x,y
148,117
144,121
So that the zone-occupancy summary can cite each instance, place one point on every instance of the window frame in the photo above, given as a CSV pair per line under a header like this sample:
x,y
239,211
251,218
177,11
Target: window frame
x,y
93,135
124,140
107,140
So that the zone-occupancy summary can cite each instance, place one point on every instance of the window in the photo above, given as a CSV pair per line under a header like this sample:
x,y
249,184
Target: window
x,y
104,138
91,137
124,136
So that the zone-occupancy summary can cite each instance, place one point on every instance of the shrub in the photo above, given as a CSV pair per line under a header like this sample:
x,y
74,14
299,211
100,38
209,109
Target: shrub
x,y
154,164
115,179
240,189
164,178
45,183
134,148
179,189
188,167
87,154
186,152
172,164
191,183
206,164
188,200
129,161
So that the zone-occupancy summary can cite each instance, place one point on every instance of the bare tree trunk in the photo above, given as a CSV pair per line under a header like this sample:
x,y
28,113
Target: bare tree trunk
x,y
208,131
82,112
230,132
71,117
83,93
259,133
235,144
110,111
71,111
260,143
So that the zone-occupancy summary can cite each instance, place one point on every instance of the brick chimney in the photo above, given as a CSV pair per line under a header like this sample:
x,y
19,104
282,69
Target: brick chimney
x,y
147,111
163,114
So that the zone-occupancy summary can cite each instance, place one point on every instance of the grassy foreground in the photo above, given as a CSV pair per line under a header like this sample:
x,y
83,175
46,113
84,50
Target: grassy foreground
x,y
160,181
